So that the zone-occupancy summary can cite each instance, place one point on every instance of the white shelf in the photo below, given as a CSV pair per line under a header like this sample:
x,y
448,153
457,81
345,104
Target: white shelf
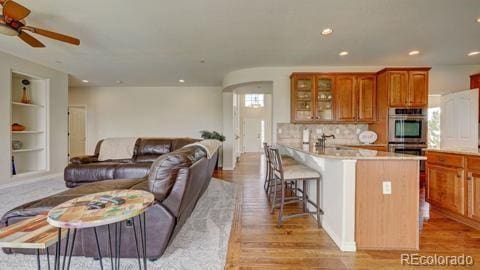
x,y
27,150
28,132
27,105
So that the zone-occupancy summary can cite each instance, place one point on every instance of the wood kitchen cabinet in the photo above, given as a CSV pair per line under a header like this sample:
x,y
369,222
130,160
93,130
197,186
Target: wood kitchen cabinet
x,y
453,185
446,187
473,185
333,97
407,87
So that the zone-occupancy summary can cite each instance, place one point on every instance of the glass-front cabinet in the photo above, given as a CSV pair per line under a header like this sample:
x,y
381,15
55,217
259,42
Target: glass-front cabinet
x,y
312,98
303,98
324,98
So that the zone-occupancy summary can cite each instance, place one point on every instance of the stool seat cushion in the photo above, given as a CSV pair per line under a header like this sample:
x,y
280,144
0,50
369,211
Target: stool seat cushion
x,y
299,172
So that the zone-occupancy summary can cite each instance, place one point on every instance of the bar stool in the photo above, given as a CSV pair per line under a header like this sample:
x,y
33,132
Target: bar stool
x,y
281,175
287,161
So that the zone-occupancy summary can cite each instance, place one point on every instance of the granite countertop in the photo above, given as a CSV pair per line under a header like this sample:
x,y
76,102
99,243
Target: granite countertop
x,y
362,144
343,152
473,152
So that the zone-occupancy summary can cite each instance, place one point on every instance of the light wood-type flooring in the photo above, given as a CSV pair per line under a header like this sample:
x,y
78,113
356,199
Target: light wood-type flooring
x,y
257,243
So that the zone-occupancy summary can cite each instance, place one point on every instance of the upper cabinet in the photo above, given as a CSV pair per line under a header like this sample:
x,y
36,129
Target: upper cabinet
x,y
407,87
338,97
303,98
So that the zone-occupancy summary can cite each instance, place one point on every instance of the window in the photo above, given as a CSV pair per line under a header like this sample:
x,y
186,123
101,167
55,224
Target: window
x,y
254,100
434,127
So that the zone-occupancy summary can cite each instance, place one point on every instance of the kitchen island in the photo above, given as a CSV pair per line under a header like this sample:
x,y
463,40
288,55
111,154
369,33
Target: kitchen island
x,y
370,198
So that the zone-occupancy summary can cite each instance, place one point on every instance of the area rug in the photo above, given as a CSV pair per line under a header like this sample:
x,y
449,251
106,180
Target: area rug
x,y
201,243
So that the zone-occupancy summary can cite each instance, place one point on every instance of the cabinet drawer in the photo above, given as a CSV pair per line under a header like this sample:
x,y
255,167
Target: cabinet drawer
x,y
445,159
473,163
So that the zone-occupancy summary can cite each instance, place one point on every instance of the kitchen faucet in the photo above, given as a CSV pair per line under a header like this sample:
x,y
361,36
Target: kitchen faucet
x,y
322,141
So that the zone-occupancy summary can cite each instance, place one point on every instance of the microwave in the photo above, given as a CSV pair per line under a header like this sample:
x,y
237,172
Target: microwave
x,y
407,125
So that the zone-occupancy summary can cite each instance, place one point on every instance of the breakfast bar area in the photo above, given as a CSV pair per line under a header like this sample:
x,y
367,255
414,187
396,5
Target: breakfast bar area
x,y
370,199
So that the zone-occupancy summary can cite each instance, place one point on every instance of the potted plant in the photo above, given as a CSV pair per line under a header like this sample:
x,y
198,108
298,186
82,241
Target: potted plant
x,y
213,135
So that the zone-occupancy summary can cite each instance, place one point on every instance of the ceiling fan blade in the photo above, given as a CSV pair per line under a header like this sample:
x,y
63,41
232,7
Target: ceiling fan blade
x,y
30,40
14,10
53,35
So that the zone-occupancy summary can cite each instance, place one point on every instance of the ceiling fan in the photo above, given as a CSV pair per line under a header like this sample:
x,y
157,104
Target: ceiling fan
x,y
12,23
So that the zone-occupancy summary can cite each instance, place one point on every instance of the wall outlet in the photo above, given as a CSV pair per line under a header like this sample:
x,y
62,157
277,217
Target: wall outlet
x,y
387,187
358,131
337,131
318,131
279,131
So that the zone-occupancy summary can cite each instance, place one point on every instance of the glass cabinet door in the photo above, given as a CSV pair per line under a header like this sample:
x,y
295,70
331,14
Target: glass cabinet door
x,y
303,95
324,98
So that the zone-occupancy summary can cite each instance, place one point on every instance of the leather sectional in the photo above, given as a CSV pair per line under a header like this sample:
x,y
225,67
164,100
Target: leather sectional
x,y
86,169
177,179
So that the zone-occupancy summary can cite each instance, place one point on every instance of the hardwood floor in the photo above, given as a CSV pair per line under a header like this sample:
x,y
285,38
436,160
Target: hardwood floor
x,y
256,242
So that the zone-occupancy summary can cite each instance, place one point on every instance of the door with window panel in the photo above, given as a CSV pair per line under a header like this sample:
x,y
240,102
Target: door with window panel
x,y
303,105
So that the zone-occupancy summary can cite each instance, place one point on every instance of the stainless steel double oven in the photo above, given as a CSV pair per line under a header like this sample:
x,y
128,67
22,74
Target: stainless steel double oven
x,y
408,131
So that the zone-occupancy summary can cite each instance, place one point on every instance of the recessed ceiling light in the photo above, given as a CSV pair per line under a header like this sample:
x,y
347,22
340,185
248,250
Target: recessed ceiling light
x,y
181,81
413,53
473,53
119,82
85,81
327,31
344,53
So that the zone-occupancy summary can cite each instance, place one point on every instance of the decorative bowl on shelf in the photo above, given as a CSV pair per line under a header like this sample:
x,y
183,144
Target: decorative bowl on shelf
x,y
17,127
16,144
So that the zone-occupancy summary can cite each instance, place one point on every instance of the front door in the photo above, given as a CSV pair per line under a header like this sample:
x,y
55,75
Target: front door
x,y
252,135
76,131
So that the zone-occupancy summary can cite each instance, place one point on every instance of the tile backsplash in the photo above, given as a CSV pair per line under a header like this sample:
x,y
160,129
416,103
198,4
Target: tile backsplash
x,y
344,133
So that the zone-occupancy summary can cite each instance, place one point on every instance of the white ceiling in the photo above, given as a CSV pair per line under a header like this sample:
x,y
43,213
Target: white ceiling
x,y
158,42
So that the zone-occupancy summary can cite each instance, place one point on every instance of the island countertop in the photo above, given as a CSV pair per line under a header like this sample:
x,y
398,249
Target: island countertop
x,y
343,152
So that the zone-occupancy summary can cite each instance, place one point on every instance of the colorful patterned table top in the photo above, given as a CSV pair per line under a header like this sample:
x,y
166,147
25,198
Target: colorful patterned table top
x,y
30,233
75,213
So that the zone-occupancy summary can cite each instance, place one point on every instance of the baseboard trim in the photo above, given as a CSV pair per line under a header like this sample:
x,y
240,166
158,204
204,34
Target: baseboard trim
x,y
43,177
457,217
342,245
228,168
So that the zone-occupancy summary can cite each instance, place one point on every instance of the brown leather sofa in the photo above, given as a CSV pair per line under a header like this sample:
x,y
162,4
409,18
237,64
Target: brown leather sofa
x,y
86,169
177,179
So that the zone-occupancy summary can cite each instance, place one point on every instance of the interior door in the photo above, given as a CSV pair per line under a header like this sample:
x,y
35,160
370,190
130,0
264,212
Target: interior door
x,y
252,132
76,131
459,120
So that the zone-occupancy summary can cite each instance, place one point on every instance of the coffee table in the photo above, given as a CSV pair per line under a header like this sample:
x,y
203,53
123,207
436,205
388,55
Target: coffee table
x,y
33,233
74,215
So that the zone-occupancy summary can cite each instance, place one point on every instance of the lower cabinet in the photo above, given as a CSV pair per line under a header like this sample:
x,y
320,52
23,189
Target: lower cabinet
x,y
453,185
473,180
446,188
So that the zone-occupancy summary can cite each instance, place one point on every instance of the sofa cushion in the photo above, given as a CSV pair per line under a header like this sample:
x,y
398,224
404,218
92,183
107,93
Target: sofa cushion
x,y
132,170
164,171
90,172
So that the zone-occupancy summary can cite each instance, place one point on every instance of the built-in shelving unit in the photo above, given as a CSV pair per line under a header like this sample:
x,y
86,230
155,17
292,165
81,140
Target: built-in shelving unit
x,y
32,157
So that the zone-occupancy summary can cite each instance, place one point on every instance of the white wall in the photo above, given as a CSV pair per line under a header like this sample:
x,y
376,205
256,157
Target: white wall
x,y
57,122
148,111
